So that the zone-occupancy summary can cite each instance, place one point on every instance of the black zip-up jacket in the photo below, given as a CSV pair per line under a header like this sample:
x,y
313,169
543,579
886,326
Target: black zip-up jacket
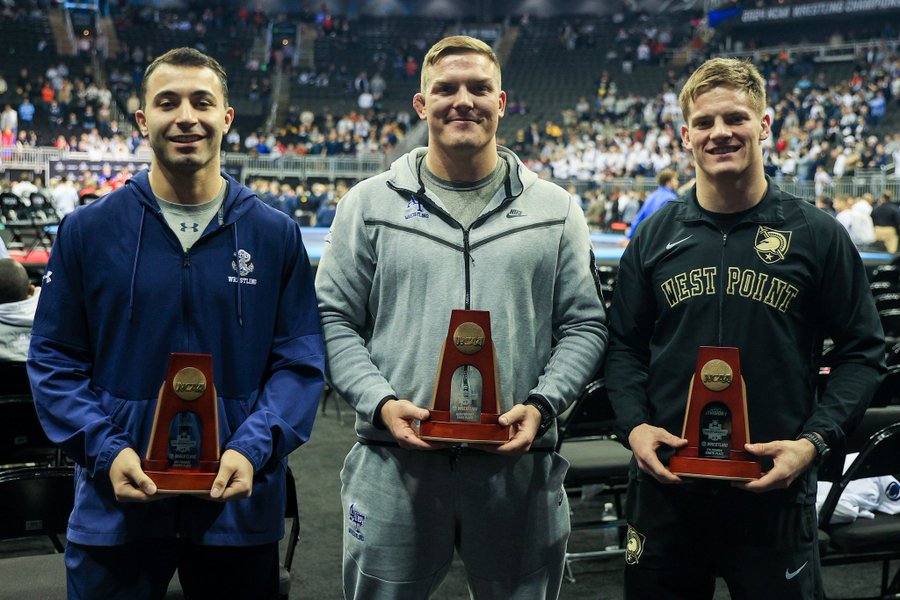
x,y
776,285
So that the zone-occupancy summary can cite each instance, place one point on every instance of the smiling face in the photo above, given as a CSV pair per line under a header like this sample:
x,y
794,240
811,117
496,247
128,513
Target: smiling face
x,y
724,133
462,103
184,119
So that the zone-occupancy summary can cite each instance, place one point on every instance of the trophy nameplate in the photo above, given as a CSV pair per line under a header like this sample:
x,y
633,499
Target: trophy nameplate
x,y
465,405
715,421
183,454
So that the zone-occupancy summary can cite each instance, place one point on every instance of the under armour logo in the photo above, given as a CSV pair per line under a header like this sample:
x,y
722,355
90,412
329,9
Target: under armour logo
x,y
195,227
47,276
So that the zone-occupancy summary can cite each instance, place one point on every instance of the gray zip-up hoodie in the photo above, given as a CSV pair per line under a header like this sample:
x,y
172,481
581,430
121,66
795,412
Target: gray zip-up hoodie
x,y
396,263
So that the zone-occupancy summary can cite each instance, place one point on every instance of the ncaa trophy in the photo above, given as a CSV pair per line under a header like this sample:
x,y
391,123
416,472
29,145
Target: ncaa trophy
x,y
715,421
465,405
183,454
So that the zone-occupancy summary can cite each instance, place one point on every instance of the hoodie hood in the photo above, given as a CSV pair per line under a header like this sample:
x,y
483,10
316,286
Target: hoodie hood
x,y
234,206
21,313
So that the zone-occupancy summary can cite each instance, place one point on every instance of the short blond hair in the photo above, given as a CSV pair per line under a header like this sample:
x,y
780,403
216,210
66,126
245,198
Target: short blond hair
x,y
456,44
724,72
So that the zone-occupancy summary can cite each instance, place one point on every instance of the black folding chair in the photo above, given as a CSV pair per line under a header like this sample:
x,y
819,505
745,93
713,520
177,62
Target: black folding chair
x,y
36,501
14,219
890,322
22,439
887,301
40,216
889,273
865,540
595,457
292,512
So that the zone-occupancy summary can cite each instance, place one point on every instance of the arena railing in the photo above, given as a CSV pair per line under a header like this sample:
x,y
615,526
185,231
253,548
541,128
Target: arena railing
x,y
45,160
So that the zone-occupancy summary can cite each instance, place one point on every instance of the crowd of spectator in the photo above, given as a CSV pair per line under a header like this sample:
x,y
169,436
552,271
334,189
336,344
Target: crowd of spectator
x,y
820,132
829,129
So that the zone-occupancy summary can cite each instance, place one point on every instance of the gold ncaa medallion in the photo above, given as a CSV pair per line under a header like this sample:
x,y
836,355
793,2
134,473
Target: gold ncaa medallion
x,y
717,375
189,383
468,338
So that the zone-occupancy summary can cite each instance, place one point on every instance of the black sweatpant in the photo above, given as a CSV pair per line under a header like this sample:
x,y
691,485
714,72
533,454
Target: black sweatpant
x,y
681,537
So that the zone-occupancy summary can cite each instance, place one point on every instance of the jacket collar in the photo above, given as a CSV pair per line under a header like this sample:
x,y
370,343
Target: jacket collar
x,y
233,207
405,173
769,210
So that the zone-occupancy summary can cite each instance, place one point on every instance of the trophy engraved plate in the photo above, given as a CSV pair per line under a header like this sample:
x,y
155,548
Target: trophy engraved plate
x,y
465,395
465,402
715,421
715,431
183,454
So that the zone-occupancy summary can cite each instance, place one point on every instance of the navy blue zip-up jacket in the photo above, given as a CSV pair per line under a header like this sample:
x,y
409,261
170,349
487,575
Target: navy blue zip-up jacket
x,y
119,295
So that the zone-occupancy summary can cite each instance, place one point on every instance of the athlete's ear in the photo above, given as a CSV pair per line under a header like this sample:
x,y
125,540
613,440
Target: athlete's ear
x,y
419,105
766,127
141,119
685,137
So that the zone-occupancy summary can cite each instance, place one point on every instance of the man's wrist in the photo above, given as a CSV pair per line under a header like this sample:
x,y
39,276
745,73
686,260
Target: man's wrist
x,y
823,450
377,421
543,407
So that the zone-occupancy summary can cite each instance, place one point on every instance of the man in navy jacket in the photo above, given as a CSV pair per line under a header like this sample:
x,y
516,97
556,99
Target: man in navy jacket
x,y
181,259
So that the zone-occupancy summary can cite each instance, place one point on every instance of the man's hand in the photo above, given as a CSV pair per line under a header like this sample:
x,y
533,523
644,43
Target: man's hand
x,y
791,457
398,417
235,478
523,421
129,482
644,440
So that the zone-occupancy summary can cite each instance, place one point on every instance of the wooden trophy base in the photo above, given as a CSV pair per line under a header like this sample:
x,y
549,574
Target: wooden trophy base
x,y
715,468
182,481
439,428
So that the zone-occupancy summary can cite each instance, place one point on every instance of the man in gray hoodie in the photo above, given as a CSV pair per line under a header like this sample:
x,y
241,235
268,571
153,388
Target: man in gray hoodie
x,y
18,301
461,224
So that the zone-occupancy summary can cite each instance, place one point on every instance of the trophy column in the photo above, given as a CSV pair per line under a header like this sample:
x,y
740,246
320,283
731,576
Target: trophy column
x,y
467,387
183,455
715,421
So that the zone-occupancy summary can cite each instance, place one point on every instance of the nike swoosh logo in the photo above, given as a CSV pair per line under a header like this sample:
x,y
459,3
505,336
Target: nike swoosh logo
x,y
788,574
671,245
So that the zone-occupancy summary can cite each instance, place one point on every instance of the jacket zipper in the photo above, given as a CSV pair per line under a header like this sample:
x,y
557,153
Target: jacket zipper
x,y
186,298
467,256
722,282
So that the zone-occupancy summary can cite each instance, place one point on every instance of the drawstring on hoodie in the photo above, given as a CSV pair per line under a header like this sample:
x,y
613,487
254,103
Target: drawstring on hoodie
x,y
137,254
240,312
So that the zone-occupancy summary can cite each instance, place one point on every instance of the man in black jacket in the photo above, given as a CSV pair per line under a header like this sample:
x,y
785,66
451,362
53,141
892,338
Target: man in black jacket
x,y
735,262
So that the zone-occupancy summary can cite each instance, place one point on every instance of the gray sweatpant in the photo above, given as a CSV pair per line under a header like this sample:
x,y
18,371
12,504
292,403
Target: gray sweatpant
x,y
407,510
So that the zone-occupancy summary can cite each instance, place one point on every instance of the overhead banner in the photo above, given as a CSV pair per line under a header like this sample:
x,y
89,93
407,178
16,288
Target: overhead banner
x,y
816,9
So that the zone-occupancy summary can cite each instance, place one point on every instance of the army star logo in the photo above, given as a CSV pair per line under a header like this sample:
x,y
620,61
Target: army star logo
x,y
772,245
634,546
